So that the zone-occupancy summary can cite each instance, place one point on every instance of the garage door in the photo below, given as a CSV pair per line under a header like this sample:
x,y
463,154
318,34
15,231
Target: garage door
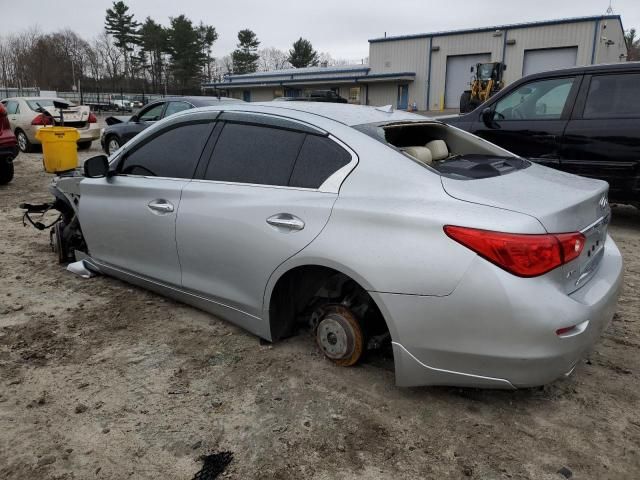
x,y
549,59
459,76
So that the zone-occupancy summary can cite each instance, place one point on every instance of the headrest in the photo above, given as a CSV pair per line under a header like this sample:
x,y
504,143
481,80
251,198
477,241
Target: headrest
x,y
438,148
422,154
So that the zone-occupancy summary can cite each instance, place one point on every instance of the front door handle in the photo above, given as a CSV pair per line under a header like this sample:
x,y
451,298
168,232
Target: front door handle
x,y
286,220
160,206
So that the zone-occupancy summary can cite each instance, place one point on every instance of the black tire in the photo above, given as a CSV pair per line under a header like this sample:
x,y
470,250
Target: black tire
x,y
23,142
465,101
6,171
110,142
84,145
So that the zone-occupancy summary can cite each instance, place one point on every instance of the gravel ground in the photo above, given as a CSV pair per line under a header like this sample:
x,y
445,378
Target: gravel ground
x,y
102,380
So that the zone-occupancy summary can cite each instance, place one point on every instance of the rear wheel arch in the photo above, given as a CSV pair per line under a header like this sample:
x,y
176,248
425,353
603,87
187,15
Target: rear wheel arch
x,y
294,290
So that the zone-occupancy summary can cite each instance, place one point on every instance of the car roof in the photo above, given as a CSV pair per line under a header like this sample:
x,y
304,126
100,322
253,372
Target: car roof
x,y
200,101
585,69
344,113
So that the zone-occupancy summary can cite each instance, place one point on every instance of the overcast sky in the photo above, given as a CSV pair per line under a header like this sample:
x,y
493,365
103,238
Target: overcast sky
x,y
340,27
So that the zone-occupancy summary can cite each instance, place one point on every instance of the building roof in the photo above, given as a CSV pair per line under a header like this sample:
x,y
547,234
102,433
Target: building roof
x,y
309,75
511,26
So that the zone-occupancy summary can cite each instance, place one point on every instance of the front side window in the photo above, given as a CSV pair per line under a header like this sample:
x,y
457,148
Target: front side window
x,y
613,96
254,154
541,100
152,114
175,107
173,153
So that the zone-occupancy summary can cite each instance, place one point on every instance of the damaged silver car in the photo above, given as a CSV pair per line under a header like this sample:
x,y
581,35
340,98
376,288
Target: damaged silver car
x,y
374,227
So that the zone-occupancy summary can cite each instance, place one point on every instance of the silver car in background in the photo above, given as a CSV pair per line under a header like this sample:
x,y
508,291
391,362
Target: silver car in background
x,y
373,226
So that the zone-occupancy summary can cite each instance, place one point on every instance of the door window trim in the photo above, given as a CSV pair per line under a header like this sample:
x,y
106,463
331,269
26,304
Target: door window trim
x,y
117,162
568,106
581,103
331,185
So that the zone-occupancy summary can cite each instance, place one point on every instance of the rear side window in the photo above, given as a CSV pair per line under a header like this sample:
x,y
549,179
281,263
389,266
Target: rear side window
x,y
12,107
319,158
173,154
175,107
613,96
254,154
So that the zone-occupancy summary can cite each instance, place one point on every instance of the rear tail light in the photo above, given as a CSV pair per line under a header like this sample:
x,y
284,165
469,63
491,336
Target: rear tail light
x,y
92,118
41,119
520,254
4,119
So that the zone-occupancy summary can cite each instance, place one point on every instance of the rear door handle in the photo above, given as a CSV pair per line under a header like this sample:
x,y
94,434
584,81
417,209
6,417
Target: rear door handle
x,y
160,206
286,220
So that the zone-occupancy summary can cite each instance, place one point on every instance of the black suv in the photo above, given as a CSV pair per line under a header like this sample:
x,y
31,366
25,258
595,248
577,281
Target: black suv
x,y
583,120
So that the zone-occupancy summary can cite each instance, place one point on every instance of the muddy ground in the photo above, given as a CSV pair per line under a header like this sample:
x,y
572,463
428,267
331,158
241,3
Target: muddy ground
x,y
102,380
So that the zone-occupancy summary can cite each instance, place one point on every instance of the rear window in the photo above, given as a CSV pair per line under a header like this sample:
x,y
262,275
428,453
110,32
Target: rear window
x,y
613,96
447,150
320,157
46,102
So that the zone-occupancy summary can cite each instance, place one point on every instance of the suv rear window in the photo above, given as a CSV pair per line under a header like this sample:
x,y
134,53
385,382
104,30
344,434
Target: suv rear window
x,y
613,96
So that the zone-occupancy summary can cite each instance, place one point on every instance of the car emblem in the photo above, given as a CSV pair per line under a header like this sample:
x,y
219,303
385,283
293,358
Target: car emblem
x,y
604,202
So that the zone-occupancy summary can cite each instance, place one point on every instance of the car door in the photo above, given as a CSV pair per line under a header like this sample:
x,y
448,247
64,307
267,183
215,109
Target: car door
x,y
260,200
129,219
147,117
602,138
530,121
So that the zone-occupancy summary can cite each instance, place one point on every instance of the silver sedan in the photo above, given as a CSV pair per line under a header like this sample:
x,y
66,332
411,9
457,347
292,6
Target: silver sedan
x,y
371,226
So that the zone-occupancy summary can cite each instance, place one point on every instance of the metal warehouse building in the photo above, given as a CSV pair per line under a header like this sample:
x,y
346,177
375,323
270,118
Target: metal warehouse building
x,y
433,69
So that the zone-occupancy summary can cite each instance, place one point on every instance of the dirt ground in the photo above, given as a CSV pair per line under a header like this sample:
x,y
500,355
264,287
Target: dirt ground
x,y
102,380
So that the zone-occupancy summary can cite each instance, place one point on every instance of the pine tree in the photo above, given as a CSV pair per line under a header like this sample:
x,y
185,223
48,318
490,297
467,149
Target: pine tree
x,y
245,56
302,54
153,40
185,49
124,29
207,35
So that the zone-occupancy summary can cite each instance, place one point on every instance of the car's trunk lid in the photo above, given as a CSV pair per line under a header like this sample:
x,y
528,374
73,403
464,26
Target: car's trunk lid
x,y
73,116
559,201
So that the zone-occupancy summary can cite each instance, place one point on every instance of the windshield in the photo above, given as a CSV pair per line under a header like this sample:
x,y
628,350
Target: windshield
x,y
447,150
46,102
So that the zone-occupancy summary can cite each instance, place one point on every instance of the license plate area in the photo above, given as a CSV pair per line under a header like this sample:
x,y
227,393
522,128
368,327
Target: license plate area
x,y
578,272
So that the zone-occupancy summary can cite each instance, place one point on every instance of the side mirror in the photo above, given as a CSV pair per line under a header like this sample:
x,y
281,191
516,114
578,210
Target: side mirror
x,y
96,167
487,116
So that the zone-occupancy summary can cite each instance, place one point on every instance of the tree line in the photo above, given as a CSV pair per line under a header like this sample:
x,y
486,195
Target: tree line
x,y
140,56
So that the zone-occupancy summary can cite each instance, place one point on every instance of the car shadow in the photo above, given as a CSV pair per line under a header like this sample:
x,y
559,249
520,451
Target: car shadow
x,y
625,216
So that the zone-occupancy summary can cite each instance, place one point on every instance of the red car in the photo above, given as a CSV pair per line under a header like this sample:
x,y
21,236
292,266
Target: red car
x,y
8,148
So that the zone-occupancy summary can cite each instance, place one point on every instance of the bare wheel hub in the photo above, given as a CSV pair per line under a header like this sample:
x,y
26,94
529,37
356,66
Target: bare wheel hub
x,y
339,336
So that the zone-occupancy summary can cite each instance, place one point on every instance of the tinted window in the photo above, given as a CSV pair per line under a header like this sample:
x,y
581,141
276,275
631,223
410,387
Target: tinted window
x,y
318,160
613,96
254,154
541,100
173,153
175,107
152,114
46,102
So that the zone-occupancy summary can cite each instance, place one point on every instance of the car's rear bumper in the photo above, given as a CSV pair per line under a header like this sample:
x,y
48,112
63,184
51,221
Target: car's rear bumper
x,y
89,133
498,330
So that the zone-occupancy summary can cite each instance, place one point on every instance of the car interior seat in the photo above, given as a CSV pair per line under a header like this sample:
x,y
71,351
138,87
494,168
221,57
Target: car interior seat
x,y
438,149
421,154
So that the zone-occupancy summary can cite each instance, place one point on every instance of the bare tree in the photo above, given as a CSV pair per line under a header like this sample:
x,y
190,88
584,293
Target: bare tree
x,y
272,59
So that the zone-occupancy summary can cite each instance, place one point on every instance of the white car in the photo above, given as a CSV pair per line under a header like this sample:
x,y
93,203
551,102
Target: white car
x,y
26,118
